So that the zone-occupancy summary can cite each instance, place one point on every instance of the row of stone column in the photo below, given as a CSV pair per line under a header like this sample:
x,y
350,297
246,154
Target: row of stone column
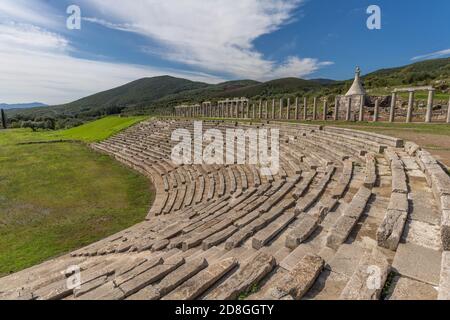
x,y
409,114
242,109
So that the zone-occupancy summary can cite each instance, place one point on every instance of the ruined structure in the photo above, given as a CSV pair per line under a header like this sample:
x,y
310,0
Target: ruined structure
x,y
342,203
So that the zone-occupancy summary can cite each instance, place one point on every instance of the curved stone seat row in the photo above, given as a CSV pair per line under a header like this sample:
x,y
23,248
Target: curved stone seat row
x,y
343,202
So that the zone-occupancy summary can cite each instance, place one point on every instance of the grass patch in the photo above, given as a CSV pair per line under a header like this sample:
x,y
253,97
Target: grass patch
x,y
55,198
100,129
244,295
387,286
90,132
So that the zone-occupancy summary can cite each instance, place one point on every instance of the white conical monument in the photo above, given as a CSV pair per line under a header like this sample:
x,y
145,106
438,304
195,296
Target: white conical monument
x,y
357,87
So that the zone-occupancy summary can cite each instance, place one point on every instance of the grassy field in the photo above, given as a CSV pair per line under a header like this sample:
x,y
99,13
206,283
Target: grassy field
x,y
58,197
89,132
100,129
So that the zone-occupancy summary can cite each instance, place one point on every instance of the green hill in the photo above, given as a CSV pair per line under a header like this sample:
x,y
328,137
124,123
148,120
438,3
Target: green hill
x,y
436,71
150,95
113,101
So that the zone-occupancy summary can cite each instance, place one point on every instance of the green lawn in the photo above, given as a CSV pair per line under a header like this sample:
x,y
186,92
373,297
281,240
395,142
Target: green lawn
x,y
58,197
90,132
100,129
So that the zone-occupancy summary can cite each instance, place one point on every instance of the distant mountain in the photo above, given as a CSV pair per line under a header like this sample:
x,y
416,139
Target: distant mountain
x,y
21,105
324,81
137,93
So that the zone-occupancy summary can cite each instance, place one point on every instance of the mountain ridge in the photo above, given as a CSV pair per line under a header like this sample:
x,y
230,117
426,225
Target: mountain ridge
x,y
150,95
8,106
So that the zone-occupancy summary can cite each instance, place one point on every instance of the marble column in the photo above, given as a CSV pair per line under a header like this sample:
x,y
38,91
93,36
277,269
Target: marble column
x,y
305,108
361,108
273,109
281,109
288,109
336,109
448,112
260,109
315,108
393,103
429,114
296,108
266,109
240,109
349,109
325,109
410,106
376,110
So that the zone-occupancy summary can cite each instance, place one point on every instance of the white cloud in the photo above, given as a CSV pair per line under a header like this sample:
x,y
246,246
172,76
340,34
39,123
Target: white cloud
x,y
210,36
213,35
36,12
433,55
303,66
25,37
36,66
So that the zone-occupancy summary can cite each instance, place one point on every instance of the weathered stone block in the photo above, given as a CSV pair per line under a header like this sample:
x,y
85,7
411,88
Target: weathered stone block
x,y
445,230
368,280
248,275
444,283
399,202
198,284
306,226
297,282
390,231
340,231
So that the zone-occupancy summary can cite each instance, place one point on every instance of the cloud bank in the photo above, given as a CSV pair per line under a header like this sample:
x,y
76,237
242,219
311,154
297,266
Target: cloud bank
x,y
433,55
215,38
213,35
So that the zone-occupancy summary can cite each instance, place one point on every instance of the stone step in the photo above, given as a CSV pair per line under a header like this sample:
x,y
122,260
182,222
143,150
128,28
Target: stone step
x,y
297,282
369,278
444,282
180,275
218,237
306,225
304,203
241,281
265,235
344,225
370,171
150,276
199,283
304,184
391,229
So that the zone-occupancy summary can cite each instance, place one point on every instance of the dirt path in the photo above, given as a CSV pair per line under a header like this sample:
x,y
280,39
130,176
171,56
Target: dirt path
x,y
436,144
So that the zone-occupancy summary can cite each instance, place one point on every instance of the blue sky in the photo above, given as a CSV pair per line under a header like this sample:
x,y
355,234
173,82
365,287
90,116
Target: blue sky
x,y
205,40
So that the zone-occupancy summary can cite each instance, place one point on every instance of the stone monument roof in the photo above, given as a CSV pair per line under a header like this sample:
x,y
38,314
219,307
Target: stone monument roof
x,y
357,87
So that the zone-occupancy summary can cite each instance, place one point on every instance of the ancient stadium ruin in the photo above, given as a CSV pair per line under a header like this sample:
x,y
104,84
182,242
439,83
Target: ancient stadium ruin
x,y
348,215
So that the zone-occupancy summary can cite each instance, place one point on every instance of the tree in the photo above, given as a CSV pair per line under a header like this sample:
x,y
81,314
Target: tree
x,y
3,119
